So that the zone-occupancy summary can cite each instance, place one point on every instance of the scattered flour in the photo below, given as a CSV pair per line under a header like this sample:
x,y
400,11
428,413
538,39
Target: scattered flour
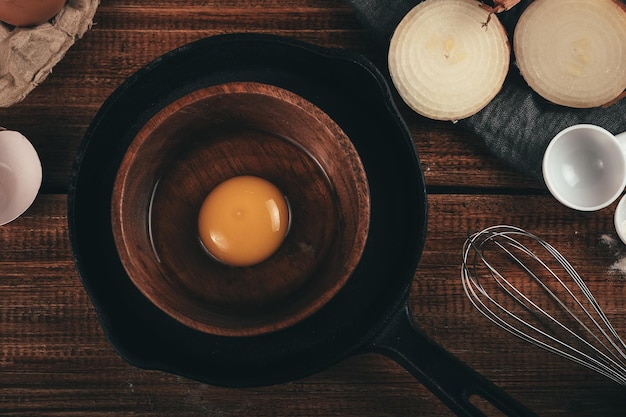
x,y
608,240
620,264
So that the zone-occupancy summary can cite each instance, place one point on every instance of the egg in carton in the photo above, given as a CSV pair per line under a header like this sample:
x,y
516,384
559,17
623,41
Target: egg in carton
x,y
28,54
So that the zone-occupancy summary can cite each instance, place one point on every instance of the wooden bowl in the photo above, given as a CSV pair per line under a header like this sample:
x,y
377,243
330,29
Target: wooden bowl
x,y
204,138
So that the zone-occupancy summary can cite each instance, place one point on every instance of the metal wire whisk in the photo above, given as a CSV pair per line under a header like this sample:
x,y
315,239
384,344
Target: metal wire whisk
x,y
525,286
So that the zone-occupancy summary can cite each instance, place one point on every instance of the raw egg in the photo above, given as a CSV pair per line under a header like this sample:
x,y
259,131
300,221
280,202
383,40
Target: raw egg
x,y
29,12
243,220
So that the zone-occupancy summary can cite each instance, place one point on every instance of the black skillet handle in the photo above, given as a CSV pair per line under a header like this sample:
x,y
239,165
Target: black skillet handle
x,y
442,373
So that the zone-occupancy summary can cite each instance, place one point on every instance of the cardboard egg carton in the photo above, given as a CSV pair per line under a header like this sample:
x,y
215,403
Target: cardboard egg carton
x,y
28,54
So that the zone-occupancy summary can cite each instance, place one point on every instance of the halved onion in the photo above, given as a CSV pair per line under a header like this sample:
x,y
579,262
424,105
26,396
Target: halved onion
x,y
449,58
573,52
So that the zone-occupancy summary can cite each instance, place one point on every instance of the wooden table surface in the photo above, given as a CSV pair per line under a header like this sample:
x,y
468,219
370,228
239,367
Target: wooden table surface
x,y
55,359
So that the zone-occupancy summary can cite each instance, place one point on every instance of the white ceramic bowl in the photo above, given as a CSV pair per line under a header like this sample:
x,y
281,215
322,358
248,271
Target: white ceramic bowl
x,y
584,167
620,219
20,175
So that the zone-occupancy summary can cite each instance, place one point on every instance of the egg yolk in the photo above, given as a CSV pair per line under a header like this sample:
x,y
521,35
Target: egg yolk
x,y
243,221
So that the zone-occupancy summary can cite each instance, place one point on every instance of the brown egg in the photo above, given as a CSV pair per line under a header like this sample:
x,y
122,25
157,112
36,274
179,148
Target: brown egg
x,y
29,12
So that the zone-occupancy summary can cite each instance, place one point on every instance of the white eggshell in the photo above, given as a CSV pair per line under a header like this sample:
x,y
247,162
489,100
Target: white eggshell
x,y
20,175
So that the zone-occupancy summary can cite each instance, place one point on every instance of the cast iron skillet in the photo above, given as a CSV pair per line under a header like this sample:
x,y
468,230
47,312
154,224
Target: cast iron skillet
x,y
368,314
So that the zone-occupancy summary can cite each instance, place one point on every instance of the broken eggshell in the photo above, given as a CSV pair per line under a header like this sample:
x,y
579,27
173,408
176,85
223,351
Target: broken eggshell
x,y
20,175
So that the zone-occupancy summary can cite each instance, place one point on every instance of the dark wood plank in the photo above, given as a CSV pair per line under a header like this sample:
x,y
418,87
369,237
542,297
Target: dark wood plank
x,y
55,360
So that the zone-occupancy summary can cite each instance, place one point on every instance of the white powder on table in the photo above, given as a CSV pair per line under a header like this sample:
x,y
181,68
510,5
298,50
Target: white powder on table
x,y
620,264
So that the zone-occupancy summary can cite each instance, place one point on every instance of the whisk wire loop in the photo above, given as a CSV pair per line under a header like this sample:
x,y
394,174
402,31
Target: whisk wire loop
x,y
554,309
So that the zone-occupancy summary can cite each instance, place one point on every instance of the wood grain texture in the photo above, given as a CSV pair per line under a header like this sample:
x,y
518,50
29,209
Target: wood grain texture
x,y
56,361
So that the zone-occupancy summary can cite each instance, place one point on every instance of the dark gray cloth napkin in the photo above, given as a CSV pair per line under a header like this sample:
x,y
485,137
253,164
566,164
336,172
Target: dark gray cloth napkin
x,y
518,124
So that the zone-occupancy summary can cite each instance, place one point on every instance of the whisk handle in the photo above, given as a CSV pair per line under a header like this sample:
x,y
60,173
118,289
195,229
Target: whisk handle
x,y
453,382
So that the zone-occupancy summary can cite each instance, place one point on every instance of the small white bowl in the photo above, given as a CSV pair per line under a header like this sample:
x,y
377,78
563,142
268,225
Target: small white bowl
x,y
620,210
20,175
620,219
584,167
